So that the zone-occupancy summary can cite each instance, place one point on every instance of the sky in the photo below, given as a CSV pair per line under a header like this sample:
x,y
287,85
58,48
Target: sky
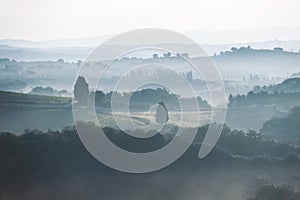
x,y
66,19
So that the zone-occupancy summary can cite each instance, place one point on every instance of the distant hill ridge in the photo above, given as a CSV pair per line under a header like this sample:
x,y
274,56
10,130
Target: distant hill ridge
x,y
75,49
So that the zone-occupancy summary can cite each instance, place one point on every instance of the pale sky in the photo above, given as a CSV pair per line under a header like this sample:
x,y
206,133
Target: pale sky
x,y
62,19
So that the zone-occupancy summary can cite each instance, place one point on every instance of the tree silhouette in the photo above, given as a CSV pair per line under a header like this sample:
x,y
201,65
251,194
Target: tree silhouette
x,y
81,90
162,115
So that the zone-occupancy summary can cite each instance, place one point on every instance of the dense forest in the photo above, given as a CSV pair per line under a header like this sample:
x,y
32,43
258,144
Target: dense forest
x,y
55,164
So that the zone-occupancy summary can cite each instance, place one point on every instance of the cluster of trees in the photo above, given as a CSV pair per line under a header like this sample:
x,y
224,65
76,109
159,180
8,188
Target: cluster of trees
x,y
264,98
60,151
16,75
286,94
276,192
290,85
250,144
256,52
47,91
287,128
143,99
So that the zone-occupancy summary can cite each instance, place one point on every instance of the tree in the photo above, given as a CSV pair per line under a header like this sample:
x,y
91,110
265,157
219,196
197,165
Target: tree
x,y
162,115
155,56
167,55
99,98
234,49
60,60
81,90
79,63
231,100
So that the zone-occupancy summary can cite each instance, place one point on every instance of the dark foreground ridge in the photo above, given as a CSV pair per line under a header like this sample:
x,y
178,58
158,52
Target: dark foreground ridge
x,y
55,165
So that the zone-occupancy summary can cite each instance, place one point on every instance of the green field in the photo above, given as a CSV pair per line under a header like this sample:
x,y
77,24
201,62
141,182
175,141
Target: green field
x,y
13,97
